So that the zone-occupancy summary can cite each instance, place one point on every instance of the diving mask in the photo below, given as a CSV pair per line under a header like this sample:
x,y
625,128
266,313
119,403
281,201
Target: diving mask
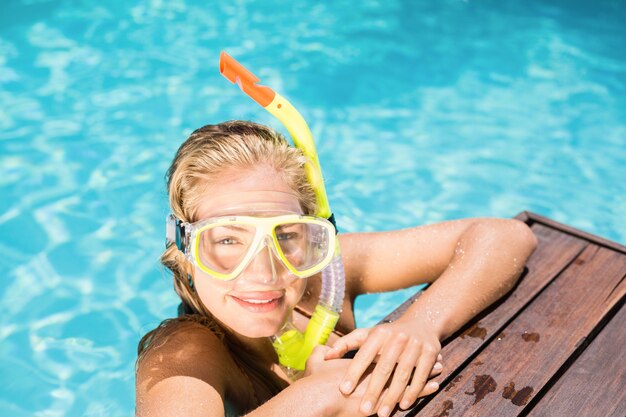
x,y
224,246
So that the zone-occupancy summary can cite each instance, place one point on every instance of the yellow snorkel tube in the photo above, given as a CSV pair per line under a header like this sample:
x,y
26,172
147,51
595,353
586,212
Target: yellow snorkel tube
x,y
293,347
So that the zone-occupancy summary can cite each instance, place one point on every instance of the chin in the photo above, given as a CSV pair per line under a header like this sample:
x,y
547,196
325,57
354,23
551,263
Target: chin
x,y
259,329
259,335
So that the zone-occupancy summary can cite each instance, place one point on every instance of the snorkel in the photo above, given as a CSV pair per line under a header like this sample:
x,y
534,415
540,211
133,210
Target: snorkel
x,y
293,347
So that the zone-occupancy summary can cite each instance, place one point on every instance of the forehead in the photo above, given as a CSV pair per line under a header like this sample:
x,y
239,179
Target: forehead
x,y
246,192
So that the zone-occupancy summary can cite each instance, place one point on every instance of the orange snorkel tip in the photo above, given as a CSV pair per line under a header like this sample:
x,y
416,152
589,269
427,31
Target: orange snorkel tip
x,y
238,74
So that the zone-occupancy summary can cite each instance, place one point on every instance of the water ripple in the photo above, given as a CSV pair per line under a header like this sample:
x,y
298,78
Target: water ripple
x,y
415,121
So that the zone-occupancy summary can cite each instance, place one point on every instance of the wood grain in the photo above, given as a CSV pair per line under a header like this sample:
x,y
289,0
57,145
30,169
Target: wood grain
x,y
537,345
555,251
595,385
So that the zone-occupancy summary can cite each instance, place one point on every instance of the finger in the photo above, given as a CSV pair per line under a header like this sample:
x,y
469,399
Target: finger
x,y
437,368
316,358
383,409
362,360
319,352
401,377
389,357
422,370
429,388
352,340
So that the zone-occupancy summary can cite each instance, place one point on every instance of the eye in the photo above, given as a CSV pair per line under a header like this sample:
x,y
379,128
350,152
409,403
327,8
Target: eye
x,y
227,241
286,236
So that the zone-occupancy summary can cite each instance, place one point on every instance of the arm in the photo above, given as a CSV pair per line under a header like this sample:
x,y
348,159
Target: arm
x,y
316,394
183,395
470,263
188,371
182,373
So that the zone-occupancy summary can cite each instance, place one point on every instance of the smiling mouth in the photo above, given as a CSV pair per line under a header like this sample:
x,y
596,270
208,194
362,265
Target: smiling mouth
x,y
257,301
259,305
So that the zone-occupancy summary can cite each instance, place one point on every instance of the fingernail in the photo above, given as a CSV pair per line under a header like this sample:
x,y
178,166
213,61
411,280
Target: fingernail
x,y
346,387
433,385
367,407
384,412
437,366
405,404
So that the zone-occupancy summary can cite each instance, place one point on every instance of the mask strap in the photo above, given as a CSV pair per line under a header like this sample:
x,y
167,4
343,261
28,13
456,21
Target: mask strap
x,y
175,233
190,282
332,220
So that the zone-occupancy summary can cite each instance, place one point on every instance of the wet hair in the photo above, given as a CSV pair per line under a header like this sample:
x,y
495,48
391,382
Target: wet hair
x,y
207,153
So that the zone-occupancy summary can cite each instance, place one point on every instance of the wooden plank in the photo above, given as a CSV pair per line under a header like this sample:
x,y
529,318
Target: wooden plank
x,y
520,361
595,385
395,314
555,251
524,216
530,217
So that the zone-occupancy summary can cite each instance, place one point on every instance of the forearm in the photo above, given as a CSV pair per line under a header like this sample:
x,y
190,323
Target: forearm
x,y
489,258
299,399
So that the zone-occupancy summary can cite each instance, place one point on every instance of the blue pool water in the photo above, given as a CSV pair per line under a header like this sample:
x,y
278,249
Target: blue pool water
x,y
423,111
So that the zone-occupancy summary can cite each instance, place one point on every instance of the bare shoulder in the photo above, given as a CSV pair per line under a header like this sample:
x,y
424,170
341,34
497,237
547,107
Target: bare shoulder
x,y
183,372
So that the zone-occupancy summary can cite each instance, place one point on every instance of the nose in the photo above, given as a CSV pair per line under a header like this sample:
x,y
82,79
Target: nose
x,y
263,268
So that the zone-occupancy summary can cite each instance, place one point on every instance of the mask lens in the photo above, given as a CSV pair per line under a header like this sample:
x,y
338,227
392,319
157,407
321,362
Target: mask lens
x,y
303,245
222,247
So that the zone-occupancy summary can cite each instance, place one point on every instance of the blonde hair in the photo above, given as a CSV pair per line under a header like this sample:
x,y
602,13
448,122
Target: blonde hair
x,y
207,152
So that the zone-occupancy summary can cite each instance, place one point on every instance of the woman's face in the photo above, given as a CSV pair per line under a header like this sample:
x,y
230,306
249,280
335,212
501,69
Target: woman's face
x,y
256,303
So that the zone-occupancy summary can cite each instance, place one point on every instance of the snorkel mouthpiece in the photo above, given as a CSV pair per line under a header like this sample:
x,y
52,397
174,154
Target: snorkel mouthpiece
x,y
294,348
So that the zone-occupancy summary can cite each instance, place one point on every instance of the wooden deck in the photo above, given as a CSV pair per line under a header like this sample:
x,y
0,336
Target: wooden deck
x,y
554,346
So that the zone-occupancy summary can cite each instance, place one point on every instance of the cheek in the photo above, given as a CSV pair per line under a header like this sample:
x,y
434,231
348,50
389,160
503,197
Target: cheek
x,y
210,291
295,291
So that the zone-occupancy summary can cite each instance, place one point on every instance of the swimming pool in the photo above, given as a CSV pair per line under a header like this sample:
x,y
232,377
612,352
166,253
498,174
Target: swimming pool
x,y
422,112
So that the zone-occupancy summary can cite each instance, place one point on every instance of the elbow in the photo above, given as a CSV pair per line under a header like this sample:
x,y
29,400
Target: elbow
x,y
515,242
523,243
512,234
524,237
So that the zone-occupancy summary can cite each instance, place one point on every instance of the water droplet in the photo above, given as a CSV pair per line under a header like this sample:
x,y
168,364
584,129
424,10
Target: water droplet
x,y
530,337
518,398
483,385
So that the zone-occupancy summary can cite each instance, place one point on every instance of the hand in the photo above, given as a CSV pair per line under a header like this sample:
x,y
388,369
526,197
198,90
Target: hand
x,y
320,381
399,351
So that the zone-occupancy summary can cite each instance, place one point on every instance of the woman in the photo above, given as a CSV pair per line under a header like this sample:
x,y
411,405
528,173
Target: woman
x,y
220,359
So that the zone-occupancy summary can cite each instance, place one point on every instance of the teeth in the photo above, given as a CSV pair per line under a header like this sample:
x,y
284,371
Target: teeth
x,y
258,301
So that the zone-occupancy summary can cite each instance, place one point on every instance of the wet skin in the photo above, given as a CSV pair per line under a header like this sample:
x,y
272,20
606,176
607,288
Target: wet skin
x,y
470,263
